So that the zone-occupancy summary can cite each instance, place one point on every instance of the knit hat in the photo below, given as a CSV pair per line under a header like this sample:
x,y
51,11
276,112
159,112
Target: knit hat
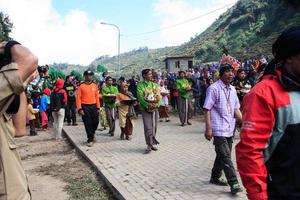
x,y
287,44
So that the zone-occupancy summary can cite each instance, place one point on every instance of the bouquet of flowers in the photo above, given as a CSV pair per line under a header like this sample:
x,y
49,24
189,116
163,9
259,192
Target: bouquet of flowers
x,y
152,97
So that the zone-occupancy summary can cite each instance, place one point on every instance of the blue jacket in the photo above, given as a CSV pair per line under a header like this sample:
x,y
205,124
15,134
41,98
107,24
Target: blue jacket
x,y
43,103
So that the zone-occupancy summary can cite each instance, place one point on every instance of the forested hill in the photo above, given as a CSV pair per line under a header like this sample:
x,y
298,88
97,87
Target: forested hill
x,y
246,30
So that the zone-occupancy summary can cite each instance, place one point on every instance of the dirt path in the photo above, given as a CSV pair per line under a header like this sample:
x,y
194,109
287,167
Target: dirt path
x,y
55,171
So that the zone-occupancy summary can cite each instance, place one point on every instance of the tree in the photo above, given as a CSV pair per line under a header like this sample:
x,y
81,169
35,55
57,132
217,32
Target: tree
x,y
77,75
60,74
56,73
5,26
101,68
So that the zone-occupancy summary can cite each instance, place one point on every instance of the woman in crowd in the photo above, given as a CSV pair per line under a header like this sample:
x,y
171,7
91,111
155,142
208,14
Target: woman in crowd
x,y
58,105
125,103
241,84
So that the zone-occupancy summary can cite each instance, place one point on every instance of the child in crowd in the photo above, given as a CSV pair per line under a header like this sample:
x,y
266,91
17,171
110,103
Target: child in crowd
x,y
31,116
43,110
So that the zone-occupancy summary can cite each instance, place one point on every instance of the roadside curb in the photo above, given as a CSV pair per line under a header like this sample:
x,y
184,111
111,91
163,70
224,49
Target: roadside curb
x,y
109,180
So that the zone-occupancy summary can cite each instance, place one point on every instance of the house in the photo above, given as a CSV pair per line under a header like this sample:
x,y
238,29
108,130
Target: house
x,y
180,63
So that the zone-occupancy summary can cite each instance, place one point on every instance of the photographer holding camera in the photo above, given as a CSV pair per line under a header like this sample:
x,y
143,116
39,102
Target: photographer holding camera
x,y
17,68
43,81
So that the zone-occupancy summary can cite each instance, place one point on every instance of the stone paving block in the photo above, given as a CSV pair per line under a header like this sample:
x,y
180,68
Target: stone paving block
x,y
179,170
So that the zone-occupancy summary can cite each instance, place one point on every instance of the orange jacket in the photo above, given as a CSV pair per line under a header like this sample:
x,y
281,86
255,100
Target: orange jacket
x,y
87,93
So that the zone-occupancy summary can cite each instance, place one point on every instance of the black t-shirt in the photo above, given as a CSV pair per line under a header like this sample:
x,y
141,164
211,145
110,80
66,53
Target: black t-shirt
x,y
70,89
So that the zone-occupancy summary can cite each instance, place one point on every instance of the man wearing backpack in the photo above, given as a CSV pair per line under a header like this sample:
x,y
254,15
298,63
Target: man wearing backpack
x,y
58,104
88,105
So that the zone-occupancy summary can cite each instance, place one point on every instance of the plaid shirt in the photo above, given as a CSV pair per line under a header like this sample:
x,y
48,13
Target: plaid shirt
x,y
222,100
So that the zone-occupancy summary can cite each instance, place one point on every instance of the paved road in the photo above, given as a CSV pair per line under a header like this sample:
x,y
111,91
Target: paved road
x,y
179,170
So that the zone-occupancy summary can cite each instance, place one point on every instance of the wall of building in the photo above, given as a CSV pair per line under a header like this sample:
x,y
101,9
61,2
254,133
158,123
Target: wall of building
x,y
171,66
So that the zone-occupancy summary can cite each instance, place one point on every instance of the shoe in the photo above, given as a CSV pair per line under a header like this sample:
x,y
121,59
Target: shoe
x,y
89,144
219,181
75,124
160,120
154,148
122,136
167,120
182,125
128,137
69,123
235,188
189,123
148,150
112,134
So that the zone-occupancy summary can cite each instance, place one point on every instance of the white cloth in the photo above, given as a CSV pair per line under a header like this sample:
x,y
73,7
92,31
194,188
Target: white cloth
x,y
164,100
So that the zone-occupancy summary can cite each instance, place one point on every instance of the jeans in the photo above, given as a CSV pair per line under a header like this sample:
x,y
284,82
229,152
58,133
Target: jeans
x,y
71,112
58,123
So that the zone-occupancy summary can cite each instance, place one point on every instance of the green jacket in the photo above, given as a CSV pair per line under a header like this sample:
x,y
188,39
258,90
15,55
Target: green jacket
x,y
147,90
109,90
180,85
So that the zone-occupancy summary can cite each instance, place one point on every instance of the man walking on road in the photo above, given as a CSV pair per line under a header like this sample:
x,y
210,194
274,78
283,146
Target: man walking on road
x,y
184,99
149,96
109,94
71,105
268,156
221,107
88,105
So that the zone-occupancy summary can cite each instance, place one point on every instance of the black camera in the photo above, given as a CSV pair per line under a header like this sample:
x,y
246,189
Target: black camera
x,y
43,69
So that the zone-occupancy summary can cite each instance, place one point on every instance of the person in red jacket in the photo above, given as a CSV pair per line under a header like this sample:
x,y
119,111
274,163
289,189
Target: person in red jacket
x,y
59,113
268,155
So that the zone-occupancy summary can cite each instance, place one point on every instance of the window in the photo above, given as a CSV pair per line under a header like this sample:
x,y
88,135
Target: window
x,y
190,64
177,64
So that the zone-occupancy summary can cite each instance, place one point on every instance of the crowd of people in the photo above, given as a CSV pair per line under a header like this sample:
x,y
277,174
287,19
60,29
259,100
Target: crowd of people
x,y
194,91
259,97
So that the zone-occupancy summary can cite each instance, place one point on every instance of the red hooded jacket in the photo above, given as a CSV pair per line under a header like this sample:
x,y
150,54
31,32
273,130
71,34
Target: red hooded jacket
x,y
268,155
59,84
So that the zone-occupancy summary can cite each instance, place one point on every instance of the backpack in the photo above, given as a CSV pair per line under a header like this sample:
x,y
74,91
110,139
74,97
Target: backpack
x,y
55,101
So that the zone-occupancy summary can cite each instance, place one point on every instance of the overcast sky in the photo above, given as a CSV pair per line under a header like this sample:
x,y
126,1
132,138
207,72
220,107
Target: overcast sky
x,y
70,30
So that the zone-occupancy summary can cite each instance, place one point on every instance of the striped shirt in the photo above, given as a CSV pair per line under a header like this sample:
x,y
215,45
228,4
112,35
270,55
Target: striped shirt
x,y
222,100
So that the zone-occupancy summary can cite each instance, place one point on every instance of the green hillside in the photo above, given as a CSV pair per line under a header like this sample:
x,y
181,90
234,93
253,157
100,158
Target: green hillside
x,y
246,30
132,62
